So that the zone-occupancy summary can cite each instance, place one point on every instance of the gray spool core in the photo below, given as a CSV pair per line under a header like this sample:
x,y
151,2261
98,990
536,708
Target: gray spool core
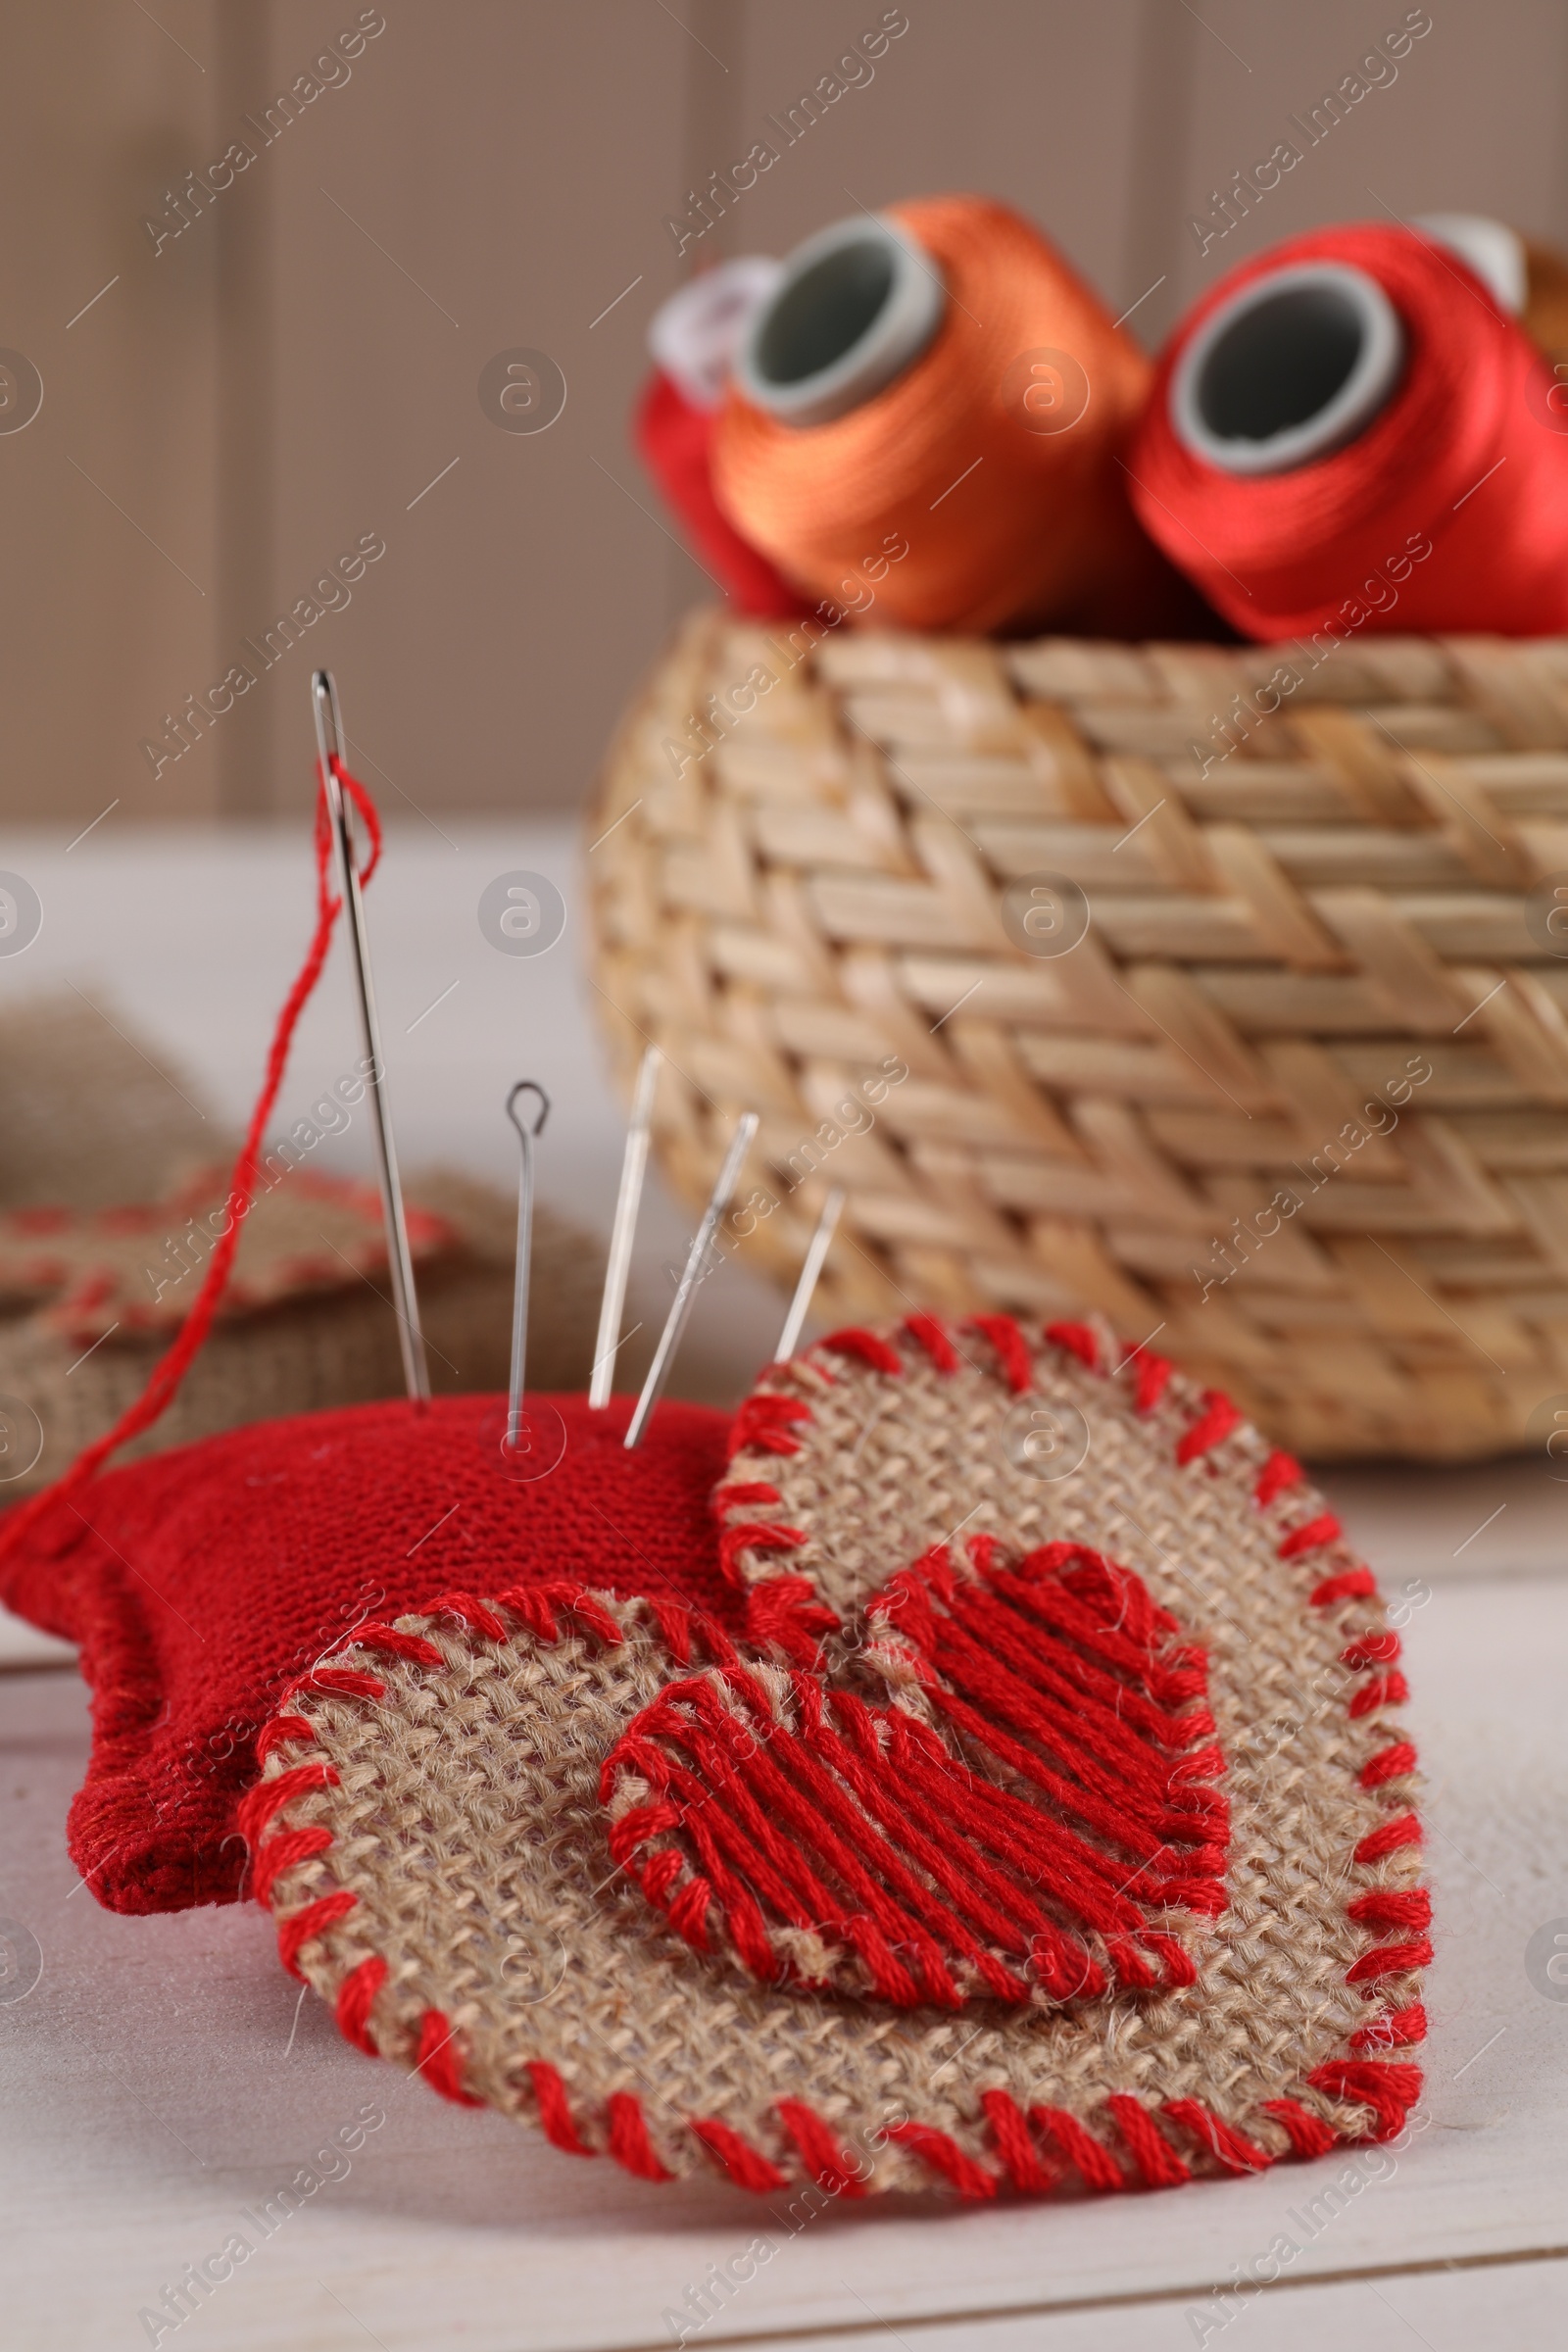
x,y
1291,368
856,305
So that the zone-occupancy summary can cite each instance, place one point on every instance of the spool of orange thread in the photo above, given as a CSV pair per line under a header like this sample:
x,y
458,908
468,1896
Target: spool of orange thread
x,y
938,378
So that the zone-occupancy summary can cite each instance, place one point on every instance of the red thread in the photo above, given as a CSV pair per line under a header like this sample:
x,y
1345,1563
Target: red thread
x,y
1027,2168
1216,1422
554,2109
1309,2135
1012,1350
1152,1379
1357,1584
267,1797
1279,1474
674,439
282,1730
759,1536
1389,2090
1079,1340
745,2165
1390,1960
1228,2147
767,1423
1284,555
1388,1764
942,2152
387,1637
868,1347
1157,2162
927,1333
1387,1839
164,1381
1325,1528
629,2143
440,2059
277,1854
1392,1907
745,1494
1383,1691
1395,2030
298,1929
783,1612
1095,2165
356,1997
469,1611
820,2153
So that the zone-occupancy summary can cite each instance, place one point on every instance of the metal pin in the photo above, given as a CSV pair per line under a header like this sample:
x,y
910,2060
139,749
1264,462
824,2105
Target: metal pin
x,y
329,742
618,1266
670,1338
794,1321
519,1280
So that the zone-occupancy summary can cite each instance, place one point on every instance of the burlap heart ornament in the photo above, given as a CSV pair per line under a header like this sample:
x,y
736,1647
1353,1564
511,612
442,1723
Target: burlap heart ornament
x,y
1037,1814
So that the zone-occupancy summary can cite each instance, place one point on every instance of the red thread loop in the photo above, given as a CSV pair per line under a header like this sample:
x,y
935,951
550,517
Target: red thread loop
x,y
745,2165
440,2059
869,1346
927,1333
355,1996
301,1927
1404,1830
1389,2090
1218,1418
629,2143
1078,1339
1017,1364
1308,2135
1095,2164
942,2152
1228,2147
1279,1474
1027,2168
826,2162
554,2109
1156,2160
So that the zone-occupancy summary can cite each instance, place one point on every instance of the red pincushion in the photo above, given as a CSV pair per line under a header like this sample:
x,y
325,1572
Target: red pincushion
x,y
202,1583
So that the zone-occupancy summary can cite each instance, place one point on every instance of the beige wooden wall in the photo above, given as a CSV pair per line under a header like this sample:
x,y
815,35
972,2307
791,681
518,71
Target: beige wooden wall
x,y
290,373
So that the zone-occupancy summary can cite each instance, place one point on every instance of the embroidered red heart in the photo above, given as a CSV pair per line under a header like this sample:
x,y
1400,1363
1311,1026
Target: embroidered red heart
x,y
1020,1823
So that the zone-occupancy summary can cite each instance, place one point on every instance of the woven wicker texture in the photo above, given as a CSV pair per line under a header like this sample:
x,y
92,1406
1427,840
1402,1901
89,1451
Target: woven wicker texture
x,y
91,1120
441,1856
1298,1098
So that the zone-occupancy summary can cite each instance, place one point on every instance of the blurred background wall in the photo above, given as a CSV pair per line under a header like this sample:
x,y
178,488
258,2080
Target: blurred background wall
x,y
259,253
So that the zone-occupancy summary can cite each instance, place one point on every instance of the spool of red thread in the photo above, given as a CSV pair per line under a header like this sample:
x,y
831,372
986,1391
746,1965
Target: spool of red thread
x,y
693,339
1351,429
925,426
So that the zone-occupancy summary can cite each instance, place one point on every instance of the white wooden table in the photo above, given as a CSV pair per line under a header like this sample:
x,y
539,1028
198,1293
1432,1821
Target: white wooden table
x,y
163,2074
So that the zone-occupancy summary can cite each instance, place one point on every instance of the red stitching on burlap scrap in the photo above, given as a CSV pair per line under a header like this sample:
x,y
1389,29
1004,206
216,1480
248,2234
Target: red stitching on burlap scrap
x,y
768,1423
440,2059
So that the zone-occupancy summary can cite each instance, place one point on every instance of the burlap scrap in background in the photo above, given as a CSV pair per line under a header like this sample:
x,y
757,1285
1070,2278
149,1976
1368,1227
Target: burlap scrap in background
x,y
92,1116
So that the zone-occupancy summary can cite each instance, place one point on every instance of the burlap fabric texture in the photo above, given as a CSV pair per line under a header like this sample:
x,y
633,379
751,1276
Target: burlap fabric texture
x,y
92,1121
1048,1824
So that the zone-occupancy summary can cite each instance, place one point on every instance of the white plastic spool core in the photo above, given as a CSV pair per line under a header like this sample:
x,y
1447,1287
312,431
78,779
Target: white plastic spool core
x,y
695,335
856,305
1494,252
1291,368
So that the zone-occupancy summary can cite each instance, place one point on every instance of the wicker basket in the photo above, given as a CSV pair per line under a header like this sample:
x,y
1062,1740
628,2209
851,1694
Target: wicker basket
x,y
1296,1099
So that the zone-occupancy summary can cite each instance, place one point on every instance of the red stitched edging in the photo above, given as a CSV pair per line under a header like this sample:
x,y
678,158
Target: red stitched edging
x,y
554,2109
819,2150
440,2059
745,2165
1387,2089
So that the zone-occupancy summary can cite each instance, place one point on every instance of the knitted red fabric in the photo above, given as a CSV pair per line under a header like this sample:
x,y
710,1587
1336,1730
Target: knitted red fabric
x,y
202,1583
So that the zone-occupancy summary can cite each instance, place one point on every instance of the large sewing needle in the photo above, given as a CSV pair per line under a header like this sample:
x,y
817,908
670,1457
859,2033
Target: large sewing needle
x,y
794,1321
670,1338
519,1280
330,743
618,1266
